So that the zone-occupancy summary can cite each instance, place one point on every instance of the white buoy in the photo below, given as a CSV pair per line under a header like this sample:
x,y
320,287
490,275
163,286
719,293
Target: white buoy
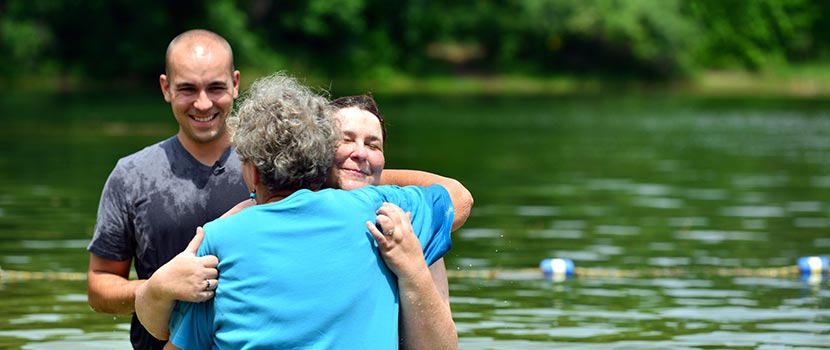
x,y
558,269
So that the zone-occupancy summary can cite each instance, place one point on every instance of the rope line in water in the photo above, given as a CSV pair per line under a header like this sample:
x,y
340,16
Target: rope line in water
x,y
12,275
811,267
557,269
587,272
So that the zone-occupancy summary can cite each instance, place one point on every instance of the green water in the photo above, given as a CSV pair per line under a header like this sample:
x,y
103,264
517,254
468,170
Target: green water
x,y
633,183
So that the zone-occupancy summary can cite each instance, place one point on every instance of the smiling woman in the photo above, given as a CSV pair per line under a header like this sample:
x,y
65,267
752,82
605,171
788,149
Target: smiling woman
x,y
359,159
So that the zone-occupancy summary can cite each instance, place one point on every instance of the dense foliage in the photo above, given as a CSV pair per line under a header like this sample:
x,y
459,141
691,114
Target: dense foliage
x,y
106,39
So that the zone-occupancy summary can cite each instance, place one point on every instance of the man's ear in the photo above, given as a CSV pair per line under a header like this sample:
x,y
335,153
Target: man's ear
x,y
165,87
235,84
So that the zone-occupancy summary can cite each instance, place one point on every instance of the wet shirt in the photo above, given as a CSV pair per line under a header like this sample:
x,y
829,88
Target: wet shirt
x,y
152,203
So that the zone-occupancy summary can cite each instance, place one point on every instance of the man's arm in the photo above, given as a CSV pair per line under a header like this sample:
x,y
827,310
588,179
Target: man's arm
x,y
108,288
462,199
185,277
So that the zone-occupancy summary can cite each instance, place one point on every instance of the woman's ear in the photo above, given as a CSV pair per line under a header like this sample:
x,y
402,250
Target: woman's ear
x,y
250,174
254,175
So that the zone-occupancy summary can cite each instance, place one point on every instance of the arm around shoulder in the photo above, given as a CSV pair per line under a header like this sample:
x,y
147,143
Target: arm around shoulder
x,y
462,199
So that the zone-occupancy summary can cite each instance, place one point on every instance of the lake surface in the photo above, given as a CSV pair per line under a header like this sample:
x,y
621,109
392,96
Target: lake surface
x,y
679,206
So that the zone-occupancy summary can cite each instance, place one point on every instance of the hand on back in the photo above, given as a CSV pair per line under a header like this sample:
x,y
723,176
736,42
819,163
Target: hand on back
x,y
399,247
188,277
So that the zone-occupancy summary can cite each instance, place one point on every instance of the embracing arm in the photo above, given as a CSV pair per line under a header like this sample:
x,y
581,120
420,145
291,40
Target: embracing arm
x,y
185,277
108,288
462,199
425,320
153,309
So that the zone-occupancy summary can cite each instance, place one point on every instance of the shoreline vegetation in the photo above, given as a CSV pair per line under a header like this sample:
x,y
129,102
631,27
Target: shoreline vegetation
x,y
795,81
800,82
763,48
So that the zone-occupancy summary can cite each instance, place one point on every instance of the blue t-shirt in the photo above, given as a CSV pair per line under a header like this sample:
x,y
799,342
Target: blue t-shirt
x,y
305,273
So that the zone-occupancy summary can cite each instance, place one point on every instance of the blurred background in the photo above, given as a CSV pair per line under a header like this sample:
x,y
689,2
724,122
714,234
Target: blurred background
x,y
433,46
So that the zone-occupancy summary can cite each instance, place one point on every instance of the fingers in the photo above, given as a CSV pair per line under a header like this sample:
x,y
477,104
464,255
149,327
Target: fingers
x,y
390,218
390,210
193,246
385,222
395,213
210,274
379,236
392,214
208,290
211,284
209,261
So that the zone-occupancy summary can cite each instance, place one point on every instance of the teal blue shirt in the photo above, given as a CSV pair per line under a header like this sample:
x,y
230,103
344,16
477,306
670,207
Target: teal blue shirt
x,y
305,273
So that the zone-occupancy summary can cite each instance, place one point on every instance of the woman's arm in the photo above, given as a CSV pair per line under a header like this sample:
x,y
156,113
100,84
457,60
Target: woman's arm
x,y
462,199
426,320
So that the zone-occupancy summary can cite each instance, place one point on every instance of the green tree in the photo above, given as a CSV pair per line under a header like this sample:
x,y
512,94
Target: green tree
x,y
757,34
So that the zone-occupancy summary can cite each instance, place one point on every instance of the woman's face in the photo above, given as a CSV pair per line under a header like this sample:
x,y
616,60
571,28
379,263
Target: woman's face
x,y
359,160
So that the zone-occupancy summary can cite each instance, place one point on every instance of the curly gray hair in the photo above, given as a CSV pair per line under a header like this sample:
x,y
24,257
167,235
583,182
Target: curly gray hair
x,y
287,131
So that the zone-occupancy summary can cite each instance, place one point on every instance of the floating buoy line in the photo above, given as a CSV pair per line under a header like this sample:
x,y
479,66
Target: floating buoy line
x,y
813,268
12,275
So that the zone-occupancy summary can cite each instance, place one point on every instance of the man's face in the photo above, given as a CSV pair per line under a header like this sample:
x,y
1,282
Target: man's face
x,y
201,89
359,159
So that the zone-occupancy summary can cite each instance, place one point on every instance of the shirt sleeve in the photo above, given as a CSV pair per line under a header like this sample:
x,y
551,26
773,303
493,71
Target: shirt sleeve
x,y
114,234
432,216
191,325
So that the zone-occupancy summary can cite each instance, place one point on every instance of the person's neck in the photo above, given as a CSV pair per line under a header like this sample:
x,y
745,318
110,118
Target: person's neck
x,y
272,197
207,153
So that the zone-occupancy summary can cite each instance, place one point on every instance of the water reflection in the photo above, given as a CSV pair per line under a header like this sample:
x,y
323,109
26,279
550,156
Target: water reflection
x,y
675,313
687,197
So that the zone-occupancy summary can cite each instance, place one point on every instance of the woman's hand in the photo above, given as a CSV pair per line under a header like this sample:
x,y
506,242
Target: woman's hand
x,y
399,247
188,277
426,319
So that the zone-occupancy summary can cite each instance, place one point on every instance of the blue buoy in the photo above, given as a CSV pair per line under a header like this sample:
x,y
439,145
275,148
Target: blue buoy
x,y
813,265
558,268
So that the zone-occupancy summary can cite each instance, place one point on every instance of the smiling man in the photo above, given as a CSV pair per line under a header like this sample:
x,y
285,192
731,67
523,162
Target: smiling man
x,y
155,198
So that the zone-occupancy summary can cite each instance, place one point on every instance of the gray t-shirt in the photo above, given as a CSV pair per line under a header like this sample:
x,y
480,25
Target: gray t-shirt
x,y
153,201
